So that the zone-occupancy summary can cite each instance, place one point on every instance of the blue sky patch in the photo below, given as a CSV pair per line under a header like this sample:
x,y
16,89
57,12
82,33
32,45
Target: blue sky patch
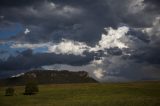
x,y
10,31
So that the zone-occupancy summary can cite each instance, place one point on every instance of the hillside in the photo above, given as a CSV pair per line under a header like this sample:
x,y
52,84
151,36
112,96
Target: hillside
x,y
49,76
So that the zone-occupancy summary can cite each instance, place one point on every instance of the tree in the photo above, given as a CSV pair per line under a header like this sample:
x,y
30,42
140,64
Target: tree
x,y
9,91
31,88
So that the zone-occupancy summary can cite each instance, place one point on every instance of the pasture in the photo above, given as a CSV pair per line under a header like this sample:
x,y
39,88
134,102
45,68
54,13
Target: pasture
x,y
92,94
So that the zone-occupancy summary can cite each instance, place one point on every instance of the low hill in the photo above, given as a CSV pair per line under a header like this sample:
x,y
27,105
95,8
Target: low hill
x,y
49,77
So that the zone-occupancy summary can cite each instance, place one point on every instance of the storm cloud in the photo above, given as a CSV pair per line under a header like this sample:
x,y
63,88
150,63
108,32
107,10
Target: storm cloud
x,y
112,40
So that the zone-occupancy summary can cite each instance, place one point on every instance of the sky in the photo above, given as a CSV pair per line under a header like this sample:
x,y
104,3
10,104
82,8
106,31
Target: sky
x,y
113,40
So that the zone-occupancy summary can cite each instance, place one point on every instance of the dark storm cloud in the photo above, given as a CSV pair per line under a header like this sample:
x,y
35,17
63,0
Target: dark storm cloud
x,y
114,51
139,35
154,2
27,60
80,20
149,55
46,26
84,21
152,6
17,3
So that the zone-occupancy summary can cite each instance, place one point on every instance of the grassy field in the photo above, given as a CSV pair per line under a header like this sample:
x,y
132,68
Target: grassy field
x,y
111,94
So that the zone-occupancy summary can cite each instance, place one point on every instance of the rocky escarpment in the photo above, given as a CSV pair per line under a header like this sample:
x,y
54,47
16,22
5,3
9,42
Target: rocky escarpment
x,y
49,77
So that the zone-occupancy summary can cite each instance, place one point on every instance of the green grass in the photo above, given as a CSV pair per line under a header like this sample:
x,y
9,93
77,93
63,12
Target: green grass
x,y
111,94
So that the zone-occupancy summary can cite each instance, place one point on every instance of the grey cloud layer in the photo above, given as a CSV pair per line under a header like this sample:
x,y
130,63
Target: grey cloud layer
x,y
50,21
76,20
27,60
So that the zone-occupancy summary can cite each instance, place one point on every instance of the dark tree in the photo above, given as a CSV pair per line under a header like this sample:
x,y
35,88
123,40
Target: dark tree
x,y
31,88
9,91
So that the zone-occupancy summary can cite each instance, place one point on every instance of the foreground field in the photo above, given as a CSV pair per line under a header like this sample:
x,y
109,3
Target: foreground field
x,y
113,94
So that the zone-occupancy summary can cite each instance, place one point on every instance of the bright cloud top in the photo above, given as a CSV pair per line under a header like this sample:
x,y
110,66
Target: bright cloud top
x,y
68,47
113,38
27,31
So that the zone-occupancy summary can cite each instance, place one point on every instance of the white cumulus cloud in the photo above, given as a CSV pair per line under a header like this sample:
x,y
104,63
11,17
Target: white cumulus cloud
x,y
28,45
27,31
113,38
99,73
69,47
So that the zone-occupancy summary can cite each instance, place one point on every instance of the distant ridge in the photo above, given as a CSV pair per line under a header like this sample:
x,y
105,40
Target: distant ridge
x,y
49,77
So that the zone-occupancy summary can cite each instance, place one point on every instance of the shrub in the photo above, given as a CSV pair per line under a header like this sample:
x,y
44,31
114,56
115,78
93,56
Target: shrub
x,y
31,88
9,91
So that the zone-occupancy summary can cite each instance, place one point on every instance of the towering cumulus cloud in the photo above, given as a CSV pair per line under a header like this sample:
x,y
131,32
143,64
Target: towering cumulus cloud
x,y
112,40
